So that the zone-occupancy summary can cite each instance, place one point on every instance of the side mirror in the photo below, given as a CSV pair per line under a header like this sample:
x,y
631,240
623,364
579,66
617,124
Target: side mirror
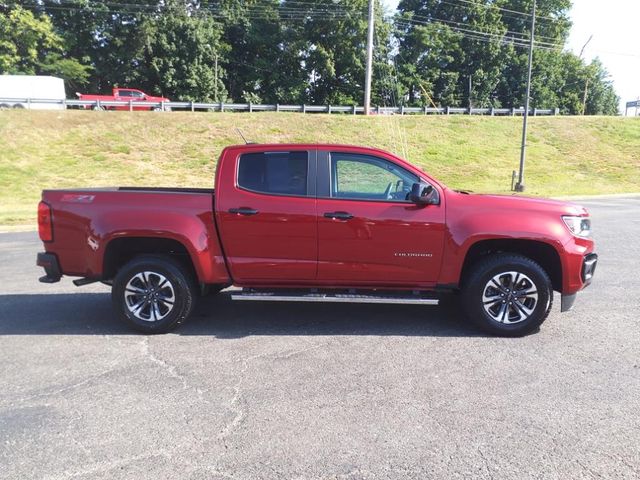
x,y
423,194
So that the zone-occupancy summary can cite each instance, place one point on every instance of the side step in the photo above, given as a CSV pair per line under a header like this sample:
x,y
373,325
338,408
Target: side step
x,y
271,296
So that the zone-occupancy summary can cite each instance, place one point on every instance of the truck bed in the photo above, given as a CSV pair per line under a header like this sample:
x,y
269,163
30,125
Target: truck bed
x,y
89,222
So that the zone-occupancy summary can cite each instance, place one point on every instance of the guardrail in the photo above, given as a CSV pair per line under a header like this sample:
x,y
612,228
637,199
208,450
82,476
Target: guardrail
x,y
253,107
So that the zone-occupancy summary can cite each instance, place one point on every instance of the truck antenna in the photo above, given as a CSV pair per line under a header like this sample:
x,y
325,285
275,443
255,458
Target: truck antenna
x,y
246,142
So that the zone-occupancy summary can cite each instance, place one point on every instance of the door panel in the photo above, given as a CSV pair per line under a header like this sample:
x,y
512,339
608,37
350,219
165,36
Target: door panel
x,y
270,238
384,243
367,235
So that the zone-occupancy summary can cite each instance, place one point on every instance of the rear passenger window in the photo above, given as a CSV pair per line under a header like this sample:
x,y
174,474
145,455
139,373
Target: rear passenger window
x,y
279,173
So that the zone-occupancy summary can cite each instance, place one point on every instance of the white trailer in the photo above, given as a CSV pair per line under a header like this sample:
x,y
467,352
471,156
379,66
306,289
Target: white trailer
x,y
32,91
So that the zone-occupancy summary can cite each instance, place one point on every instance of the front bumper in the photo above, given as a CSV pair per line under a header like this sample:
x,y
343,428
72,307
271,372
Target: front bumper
x,y
49,262
589,263
588,268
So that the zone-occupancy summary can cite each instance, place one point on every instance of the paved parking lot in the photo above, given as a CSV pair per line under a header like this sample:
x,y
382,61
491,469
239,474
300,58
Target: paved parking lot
x,y
302,391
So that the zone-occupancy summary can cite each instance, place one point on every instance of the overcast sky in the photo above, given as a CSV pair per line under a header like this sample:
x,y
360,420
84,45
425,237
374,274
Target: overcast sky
x,y
616,40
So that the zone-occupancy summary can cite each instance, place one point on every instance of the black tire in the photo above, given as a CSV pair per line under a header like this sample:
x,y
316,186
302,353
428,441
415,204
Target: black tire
x,y
488,298
18,106
153,280
4,106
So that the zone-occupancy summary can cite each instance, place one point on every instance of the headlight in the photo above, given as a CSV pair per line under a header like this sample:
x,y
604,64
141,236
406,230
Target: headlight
x,y
579,226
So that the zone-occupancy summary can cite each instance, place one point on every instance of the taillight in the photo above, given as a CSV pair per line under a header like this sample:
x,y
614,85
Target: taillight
x,y
45,222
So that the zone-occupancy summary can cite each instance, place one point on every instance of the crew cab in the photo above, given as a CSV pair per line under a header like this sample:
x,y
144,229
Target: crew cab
x,y
319,223
135,99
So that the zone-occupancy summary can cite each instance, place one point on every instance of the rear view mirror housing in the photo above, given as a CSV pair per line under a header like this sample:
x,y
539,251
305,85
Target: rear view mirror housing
x,y
423,194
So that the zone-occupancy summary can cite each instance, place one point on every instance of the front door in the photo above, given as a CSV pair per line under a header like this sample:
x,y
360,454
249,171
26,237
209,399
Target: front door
x,y
267,218
368,233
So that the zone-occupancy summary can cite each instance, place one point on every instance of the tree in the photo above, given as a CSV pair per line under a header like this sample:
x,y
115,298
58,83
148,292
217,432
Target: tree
x,y
443,58
29,45
107,35
330,39
476,53
178,54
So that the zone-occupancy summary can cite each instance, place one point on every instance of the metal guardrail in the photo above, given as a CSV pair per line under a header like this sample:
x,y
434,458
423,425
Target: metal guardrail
x,y
253,107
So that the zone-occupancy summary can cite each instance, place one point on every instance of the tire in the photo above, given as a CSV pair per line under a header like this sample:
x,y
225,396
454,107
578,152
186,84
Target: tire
x,y
489,300
4,106
18,106
170,283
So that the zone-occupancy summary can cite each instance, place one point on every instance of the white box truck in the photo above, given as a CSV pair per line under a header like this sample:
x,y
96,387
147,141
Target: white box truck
x,y
32,91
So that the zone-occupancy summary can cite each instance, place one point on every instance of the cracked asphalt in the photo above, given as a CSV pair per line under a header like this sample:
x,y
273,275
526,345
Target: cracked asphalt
x,y
302,391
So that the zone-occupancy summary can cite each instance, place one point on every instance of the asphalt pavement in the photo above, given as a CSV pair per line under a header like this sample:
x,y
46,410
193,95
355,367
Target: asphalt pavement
x,y
313,391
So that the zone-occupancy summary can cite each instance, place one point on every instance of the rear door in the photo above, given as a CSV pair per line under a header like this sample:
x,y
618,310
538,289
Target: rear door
x,y
368,233
266,213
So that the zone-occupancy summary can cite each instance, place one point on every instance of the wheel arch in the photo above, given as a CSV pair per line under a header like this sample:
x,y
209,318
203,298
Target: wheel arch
x,y
540,252
119,251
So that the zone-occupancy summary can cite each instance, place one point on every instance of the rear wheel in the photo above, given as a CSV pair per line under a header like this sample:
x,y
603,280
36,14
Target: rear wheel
x,y
153,294
507,295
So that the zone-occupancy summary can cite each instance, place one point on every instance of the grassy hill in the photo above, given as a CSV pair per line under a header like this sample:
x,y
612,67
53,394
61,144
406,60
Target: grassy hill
x,y
566,155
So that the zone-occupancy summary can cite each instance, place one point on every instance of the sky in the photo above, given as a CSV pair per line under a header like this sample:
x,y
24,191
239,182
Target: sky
x,y
616,40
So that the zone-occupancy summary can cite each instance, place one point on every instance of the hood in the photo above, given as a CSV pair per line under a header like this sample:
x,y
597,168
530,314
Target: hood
x,y
515,203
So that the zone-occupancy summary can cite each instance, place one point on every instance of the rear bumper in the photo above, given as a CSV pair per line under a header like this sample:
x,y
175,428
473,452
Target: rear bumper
x,y
49,262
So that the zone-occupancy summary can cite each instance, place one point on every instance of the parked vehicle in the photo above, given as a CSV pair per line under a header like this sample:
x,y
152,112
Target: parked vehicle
x,y
125,95
32,91
330,223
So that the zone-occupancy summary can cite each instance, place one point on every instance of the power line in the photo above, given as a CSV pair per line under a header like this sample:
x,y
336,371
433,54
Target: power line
x,y
522,34
481,35
502,9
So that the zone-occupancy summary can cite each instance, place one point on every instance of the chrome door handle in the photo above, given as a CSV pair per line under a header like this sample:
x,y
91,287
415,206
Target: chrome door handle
x,y
339,215
243,211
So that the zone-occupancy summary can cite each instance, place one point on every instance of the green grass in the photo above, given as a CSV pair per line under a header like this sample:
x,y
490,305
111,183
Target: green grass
x,y
566,155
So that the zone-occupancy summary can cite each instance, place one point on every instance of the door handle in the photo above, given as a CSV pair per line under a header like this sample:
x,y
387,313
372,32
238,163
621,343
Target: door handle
x,y
338,215
243,211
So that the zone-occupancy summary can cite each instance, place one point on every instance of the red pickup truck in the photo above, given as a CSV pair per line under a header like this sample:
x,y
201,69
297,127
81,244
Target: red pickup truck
x,y
124,95
332,223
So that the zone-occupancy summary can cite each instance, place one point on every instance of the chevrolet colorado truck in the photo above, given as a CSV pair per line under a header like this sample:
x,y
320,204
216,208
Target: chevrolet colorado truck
x,y
319,223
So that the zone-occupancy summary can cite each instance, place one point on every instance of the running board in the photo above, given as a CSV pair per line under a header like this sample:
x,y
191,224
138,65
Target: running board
x,y
334,298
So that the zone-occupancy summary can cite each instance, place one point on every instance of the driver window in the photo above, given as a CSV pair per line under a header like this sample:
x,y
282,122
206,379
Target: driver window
x,y
362,177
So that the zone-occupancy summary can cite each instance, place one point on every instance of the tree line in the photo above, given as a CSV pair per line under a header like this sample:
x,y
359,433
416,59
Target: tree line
x,y
428,53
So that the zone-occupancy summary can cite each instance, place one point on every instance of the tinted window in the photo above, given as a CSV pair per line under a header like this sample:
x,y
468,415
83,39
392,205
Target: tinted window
x,y
283,173
369,178
129,93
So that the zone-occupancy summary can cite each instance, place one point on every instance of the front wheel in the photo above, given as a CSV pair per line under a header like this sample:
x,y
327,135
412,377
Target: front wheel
x,y
153,293
507,295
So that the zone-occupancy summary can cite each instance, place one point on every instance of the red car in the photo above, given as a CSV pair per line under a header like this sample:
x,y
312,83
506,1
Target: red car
x,y
125,95
321,223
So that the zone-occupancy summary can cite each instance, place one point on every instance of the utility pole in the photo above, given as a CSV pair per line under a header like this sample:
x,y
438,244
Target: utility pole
x,y
519,187
584,97
216,78
586,85
367,79
585,45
